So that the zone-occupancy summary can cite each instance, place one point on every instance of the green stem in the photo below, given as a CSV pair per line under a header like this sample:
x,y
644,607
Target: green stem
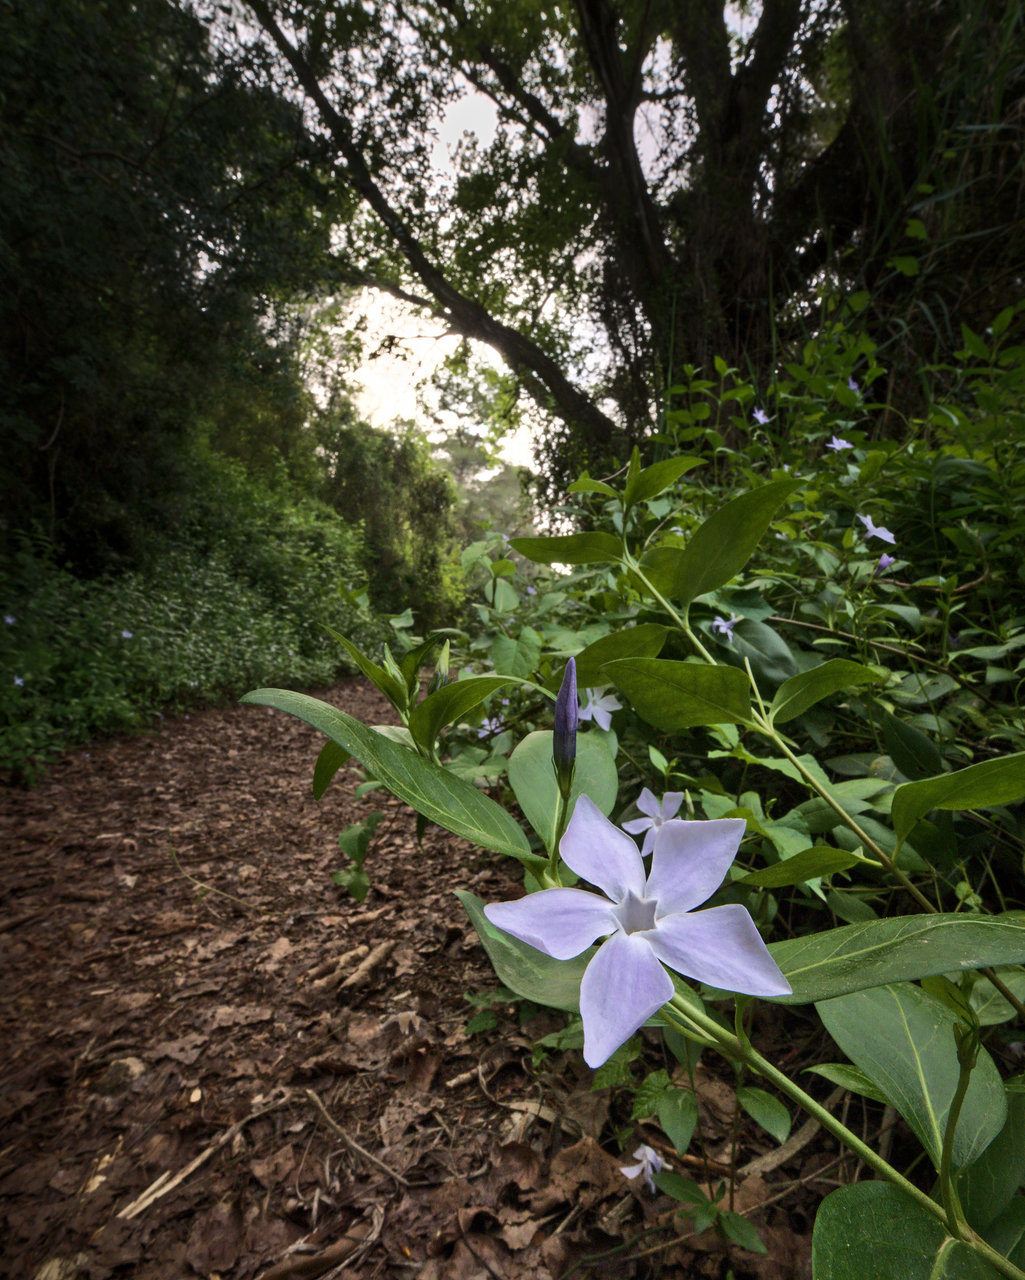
x,y
956,1224
683,1016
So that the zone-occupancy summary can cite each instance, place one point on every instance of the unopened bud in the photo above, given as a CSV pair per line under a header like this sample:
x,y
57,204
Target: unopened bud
x,y
564,748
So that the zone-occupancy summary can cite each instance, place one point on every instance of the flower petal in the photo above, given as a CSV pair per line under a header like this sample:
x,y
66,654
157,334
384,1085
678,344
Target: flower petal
x,y
647,803
691,860
559,922
636,825
622,987
598,851
720,947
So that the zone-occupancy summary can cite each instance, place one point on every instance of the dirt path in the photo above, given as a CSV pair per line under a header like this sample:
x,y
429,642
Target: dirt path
x,y
215,1063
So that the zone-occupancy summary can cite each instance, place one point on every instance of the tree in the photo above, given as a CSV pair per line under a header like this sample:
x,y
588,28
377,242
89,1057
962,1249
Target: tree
x,y
159,207
668,182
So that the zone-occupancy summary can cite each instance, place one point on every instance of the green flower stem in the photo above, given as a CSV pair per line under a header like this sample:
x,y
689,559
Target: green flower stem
x,y
681,620
966,1059
683,1017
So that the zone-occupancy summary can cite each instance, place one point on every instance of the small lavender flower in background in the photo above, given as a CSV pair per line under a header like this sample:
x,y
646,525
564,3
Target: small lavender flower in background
x,y
599,706
658,814
761,417
531,591
884,563
126,635
838,443
647,921
18,681
649,1162
489,727
873,530
10,619
722,627
852,385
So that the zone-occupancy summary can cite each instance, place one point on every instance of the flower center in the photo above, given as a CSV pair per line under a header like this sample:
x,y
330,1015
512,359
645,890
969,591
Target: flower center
x,y
636,915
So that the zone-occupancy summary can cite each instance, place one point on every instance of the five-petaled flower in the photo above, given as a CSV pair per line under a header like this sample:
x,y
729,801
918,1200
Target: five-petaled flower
x,y
657,814
761,417
489,726
873,530
839,443
599,706
647,921
649,1162
126,635
724,627
19,681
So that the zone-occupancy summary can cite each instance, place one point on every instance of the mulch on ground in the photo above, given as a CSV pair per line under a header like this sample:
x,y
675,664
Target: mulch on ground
x,y
216,1063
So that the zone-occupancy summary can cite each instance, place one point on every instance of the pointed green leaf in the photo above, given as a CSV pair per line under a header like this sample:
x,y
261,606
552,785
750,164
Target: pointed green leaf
x,y
571,548
809,864
676,695
431,790
980,785
391,685
820,966
517,657
721,547
873,1231
451,703
850,1078
986,1188
586,485
912,751
911,1055
766,1111
330,760
531,974
655,479
533,781
796,695
678,1115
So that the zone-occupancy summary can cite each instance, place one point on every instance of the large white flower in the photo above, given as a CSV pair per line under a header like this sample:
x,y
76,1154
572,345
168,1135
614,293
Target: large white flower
x,y
647,921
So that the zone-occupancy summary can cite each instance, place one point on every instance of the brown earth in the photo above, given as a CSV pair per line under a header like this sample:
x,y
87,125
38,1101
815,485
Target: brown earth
x,y
216,1063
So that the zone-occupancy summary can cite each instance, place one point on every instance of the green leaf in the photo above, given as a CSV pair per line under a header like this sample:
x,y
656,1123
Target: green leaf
x,y
986,1188
980,785
586,485
531,974
517,657
719,549
766,1111
428,788
330,760
678,1116
873,1231
855,956
738,1229
449,704
796,695
655,479
571,548
848,1077
676,695
912,751
393,688
643,641
809,864
533,780
990,1006
903,1040
906,266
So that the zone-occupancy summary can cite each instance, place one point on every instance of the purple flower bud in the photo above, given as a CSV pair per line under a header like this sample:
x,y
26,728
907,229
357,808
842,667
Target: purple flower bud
x,y
564,747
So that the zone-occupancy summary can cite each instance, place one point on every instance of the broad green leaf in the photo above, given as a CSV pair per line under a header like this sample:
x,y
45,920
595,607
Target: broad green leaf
x,y
431,790
850,1078
676,695
986,1188
990,782
766,1111
531,974
741,1231
517,657
913,752
586,485
644,641
809,864
655,479
678,1115
990,1006
449,704
855,956
719,549
796,695
532,778
571,548
903,1040
330,760
873,1231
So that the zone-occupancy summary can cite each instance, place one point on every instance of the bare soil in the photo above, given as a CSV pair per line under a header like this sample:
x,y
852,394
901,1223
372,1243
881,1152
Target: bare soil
x,y
215,1063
